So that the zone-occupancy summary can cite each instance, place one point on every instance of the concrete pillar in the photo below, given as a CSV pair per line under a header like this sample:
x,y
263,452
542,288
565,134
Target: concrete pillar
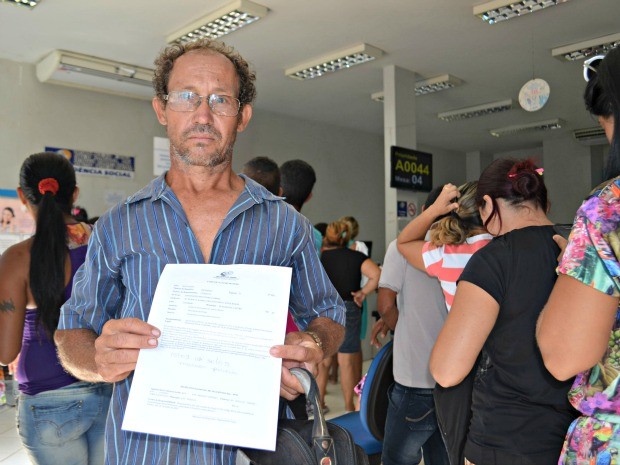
x,y
399,129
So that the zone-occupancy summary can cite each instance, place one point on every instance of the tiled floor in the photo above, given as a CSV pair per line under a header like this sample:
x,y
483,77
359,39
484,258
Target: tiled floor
x,y
11,451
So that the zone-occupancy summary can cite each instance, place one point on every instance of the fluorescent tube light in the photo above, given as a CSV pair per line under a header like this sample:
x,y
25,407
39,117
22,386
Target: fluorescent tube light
x,y
587,48
478,110
435,84
501,10
30,4
333,62
531,127
427,86
223,21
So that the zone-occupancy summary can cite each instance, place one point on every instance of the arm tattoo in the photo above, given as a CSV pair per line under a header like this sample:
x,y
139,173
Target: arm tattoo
x,y
7,306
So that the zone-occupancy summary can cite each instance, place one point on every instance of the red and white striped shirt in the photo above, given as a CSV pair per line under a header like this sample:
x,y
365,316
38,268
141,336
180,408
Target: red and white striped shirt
x,y
447,262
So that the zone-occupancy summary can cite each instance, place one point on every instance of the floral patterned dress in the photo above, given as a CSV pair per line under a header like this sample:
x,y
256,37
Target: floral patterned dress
x,y
593,257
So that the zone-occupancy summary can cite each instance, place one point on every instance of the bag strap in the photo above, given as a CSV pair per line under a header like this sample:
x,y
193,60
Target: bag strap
x,y
322,442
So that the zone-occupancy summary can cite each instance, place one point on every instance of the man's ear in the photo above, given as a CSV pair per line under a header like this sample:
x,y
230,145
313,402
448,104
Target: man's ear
x,y
244,117
160,111
308,198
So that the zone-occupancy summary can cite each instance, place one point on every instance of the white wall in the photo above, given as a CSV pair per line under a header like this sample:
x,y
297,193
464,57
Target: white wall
x,y
348,166
35,115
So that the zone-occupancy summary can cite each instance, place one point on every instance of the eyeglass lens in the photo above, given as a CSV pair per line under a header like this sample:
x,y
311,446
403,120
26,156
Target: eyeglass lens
x,y
222,105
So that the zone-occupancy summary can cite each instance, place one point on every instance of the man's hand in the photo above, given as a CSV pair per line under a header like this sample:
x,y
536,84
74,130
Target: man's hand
x,y
299,350
380,328
117,348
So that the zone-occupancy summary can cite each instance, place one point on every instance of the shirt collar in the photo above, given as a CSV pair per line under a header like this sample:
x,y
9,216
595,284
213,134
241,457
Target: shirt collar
x,y
158,186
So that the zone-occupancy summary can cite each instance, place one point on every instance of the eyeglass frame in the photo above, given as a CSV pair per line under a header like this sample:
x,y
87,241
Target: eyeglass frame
x,y
200,99
588,67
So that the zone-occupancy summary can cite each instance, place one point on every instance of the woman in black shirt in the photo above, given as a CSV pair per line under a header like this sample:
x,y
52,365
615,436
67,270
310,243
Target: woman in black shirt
x,y
520,412
345,268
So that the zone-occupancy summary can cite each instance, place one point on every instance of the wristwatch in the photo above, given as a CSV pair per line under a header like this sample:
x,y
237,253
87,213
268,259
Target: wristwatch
x,y
316,338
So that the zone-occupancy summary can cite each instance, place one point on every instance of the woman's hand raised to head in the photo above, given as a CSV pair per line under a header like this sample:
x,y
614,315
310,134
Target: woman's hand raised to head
x,y
447,200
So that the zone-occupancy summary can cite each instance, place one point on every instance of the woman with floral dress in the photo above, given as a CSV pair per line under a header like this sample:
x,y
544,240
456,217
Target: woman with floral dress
x,y
579,330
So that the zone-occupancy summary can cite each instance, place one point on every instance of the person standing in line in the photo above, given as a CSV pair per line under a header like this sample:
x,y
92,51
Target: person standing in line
x,y
453,240
579,329
60,419
412,305
199,211
344,268
519,411
264,171
298,179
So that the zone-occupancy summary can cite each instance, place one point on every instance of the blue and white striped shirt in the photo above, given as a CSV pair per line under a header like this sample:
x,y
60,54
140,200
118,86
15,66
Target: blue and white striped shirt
x,y
127,252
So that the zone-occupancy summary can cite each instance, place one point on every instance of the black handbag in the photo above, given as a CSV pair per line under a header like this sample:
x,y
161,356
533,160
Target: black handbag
x,y
307,442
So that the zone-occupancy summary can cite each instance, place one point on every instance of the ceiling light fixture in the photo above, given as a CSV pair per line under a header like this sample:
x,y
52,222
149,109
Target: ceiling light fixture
x,y
501,10
587,48
223,21
30,4
475,111
435,84
333,62
547,125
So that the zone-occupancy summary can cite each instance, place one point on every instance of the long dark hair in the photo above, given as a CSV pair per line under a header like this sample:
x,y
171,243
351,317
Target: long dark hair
x,y
602,98
48,183
515,181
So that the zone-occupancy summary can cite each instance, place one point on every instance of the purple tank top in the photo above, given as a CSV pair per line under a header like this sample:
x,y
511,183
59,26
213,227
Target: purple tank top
x,y
39,369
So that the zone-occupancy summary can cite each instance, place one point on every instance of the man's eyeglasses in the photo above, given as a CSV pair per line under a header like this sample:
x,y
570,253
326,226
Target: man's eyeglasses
x,y
221,105
590,66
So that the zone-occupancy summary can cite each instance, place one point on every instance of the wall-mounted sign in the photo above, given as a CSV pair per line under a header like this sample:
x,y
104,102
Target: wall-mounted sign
x,y
16,224
401,208
411,169
98,164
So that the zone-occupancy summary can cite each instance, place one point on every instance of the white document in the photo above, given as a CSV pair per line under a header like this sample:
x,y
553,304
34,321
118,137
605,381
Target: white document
x,y
211,378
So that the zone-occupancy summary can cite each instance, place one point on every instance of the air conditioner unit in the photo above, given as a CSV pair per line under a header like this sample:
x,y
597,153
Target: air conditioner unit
x,y
96,74
590,136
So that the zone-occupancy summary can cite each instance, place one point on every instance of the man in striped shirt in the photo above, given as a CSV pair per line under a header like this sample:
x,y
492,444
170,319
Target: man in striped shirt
x,y
200,211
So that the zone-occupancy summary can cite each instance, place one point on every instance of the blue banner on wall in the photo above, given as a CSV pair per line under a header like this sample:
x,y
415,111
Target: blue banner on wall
x,y
98,164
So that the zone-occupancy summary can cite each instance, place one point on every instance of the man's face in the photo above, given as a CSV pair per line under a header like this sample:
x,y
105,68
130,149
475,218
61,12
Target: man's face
x,y
200,137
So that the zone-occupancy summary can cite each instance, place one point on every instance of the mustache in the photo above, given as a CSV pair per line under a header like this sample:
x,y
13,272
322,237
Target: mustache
x,y
203,129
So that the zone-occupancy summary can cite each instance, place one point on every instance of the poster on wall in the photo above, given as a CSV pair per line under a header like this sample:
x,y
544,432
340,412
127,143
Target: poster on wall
x,y
98,164
411,169
16,224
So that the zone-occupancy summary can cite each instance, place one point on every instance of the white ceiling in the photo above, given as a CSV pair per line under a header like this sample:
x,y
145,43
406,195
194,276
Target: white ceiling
x,y
430,37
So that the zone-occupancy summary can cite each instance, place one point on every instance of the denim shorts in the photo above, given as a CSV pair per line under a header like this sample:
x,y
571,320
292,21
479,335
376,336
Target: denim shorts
x,y
352,342
65,425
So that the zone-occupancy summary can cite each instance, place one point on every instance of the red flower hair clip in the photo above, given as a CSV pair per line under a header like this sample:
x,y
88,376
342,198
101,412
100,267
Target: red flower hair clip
x,y
540,171
48,185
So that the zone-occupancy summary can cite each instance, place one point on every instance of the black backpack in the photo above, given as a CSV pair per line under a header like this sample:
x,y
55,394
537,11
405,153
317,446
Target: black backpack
x,y
307,442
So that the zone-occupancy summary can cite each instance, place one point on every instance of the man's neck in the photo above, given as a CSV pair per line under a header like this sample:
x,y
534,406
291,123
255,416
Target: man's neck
x,y
198,180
